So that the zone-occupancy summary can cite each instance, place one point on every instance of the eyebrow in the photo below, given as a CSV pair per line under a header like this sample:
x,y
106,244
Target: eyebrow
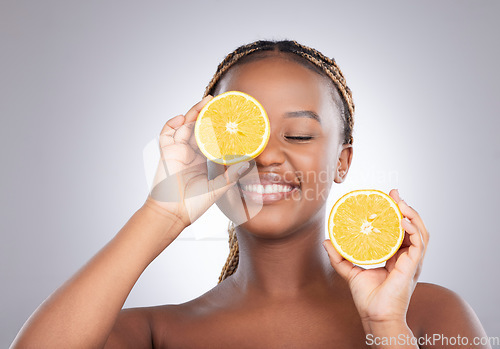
x,y
303,114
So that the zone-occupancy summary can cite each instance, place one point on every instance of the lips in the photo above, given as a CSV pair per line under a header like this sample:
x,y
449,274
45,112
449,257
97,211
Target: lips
x,y
268,187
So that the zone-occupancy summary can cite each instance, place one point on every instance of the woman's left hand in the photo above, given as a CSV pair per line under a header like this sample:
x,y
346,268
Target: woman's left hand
x,y
382,295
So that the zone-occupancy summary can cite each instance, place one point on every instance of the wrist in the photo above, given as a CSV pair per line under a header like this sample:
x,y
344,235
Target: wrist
x,y
153,229
160,214
393,333
371,325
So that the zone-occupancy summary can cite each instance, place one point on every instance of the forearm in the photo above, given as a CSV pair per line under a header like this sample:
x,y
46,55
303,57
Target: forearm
x,y
389,335
82,312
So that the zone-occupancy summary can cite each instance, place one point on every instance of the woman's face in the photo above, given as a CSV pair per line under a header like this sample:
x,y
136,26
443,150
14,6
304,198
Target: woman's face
x,y
302,154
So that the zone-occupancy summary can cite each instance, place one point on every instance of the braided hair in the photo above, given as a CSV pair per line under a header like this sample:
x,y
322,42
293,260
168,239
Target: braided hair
x,y
305,56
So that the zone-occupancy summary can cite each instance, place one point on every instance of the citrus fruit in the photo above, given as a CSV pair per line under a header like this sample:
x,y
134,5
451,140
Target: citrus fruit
x,y
232,127
365,226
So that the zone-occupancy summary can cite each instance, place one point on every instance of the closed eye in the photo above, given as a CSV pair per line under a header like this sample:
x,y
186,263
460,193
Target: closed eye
x,y
299,138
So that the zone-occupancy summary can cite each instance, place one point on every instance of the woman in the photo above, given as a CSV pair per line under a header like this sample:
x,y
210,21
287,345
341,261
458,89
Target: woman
x,y
279,287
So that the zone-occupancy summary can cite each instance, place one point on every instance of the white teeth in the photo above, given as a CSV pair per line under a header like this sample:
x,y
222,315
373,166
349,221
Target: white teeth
x,y
267,189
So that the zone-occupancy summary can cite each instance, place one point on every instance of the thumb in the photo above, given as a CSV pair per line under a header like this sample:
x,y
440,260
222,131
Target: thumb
x,y
234,172
343,267
220,184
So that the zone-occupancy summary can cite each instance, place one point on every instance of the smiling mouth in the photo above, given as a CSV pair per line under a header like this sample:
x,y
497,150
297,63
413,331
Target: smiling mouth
x,y
267,189
266,194
271,188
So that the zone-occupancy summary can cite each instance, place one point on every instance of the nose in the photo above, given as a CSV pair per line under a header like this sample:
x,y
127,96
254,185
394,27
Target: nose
x,y
272,155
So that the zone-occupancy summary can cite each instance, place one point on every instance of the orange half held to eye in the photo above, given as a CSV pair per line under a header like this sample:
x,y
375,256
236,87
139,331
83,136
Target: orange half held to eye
x,y
232,127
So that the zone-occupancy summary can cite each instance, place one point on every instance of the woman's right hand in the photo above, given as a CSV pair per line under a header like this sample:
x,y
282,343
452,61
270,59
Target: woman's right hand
x,y
83,312
181,186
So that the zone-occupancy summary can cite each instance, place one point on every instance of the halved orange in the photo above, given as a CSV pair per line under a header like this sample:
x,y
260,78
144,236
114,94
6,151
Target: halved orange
x,y
232,127
365,226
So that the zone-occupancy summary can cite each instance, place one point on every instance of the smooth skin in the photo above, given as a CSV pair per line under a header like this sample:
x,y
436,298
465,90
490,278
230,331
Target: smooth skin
x,y
287,291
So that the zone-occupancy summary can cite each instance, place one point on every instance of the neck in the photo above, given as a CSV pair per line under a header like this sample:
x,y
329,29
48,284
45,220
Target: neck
x,y
288,266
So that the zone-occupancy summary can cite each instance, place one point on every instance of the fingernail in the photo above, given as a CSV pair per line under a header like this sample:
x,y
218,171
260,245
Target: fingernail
x,y
399,195
243,168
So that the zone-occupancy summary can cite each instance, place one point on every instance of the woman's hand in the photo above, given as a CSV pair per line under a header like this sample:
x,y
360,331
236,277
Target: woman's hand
x,y
181,186
382,295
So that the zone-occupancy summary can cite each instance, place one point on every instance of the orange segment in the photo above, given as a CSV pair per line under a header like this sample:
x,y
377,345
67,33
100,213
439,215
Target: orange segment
x,y
232,127
365,226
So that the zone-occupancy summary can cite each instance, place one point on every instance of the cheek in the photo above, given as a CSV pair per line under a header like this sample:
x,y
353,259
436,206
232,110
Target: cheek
x,y
315,167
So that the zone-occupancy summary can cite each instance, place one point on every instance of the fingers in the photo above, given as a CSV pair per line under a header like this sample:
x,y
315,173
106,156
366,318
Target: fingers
x,y
343,267
406,241
177,143
415,219
183,134
192,114
410,256
394,193
172,125
415,252
192,143
220,184
410,213
177,130
179,152
188,120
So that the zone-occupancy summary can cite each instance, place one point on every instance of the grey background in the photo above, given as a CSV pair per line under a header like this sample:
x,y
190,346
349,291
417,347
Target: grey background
x,y
86,85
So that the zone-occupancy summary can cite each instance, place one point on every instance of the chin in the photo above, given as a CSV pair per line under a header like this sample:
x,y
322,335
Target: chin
x,y
268,226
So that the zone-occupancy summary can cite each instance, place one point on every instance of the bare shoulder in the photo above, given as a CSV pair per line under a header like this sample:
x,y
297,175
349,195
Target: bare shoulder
x,y
434,303
436,310
207,318
148,327
132,329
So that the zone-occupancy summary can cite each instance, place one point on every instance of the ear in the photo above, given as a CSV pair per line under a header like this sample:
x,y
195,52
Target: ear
x,y
343,163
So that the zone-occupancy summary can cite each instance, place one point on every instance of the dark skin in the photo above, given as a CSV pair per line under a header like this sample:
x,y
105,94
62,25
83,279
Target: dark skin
x,y
287,291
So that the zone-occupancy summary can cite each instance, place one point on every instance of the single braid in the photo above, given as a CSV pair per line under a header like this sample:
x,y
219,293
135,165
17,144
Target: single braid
x,y
327,66
234,254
